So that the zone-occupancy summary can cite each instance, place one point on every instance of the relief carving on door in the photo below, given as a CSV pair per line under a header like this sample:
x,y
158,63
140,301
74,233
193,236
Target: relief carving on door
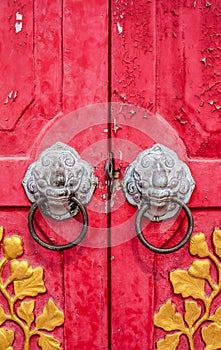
x,y
28,283
198,289
163,56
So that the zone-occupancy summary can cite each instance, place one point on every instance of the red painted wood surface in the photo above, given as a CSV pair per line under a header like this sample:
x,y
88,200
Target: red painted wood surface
x,y
55,67
85,57
164,57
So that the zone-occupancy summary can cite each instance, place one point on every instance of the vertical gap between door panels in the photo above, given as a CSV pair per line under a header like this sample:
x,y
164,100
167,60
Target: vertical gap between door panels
x,y
64,303
62,109
156,110
109,145
62,57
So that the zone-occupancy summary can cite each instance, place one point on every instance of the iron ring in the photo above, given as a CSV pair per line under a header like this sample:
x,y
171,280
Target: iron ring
x,y
62,247
164,250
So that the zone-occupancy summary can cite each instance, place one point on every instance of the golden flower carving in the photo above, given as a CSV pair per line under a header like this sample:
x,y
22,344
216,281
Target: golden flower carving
x,y
20,270
27,282
13,247
7,338
191,286
198,246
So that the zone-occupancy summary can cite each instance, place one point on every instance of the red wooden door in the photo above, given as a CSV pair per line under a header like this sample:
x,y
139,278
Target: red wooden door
x,y
159,63
52,63
166,58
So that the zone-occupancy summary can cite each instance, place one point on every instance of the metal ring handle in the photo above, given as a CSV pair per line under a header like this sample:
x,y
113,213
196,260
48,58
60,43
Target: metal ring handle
x,y
164,250
72,244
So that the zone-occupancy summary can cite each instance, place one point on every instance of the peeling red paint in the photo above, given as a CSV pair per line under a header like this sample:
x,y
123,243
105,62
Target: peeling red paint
x,y
165,58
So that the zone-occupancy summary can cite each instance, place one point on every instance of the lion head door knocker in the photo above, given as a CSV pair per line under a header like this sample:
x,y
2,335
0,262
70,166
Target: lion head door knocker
x,y
60,183
158,183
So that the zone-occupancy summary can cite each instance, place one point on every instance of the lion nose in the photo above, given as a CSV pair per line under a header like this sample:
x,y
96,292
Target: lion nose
x,y
58,180
159,179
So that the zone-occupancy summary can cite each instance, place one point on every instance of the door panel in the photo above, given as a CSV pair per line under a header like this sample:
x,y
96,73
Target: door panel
x,y
188,60
158,52
16,51
133,82
85,50
85,64
37,52
61,66
15,223
205,221
60,63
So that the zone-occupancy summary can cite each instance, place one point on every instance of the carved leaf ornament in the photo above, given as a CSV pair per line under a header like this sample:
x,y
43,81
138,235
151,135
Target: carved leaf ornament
x,y
191,284
27,282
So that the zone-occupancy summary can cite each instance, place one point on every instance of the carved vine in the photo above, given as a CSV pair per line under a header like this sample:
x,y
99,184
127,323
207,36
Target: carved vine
x,y
192,284
27,282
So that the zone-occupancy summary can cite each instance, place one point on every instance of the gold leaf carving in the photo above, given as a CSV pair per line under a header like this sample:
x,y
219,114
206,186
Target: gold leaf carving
x,y
217,317
50,318
187,285
168,319
170,342
3,316
200,269
6,338
198,246
25,311
13,247
212,337
193,312
191,283
20,270
47,342
217,242
1,233
31,286
27,282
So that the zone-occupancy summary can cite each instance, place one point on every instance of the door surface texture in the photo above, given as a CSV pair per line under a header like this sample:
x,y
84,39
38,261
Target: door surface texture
x,y
99,102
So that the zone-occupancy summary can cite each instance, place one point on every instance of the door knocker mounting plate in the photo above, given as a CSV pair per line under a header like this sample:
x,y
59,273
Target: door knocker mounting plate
x,y
57,175
156,176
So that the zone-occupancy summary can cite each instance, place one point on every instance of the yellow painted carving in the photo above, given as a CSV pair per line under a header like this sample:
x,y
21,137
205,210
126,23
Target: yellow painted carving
x,y
27,282
191,284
